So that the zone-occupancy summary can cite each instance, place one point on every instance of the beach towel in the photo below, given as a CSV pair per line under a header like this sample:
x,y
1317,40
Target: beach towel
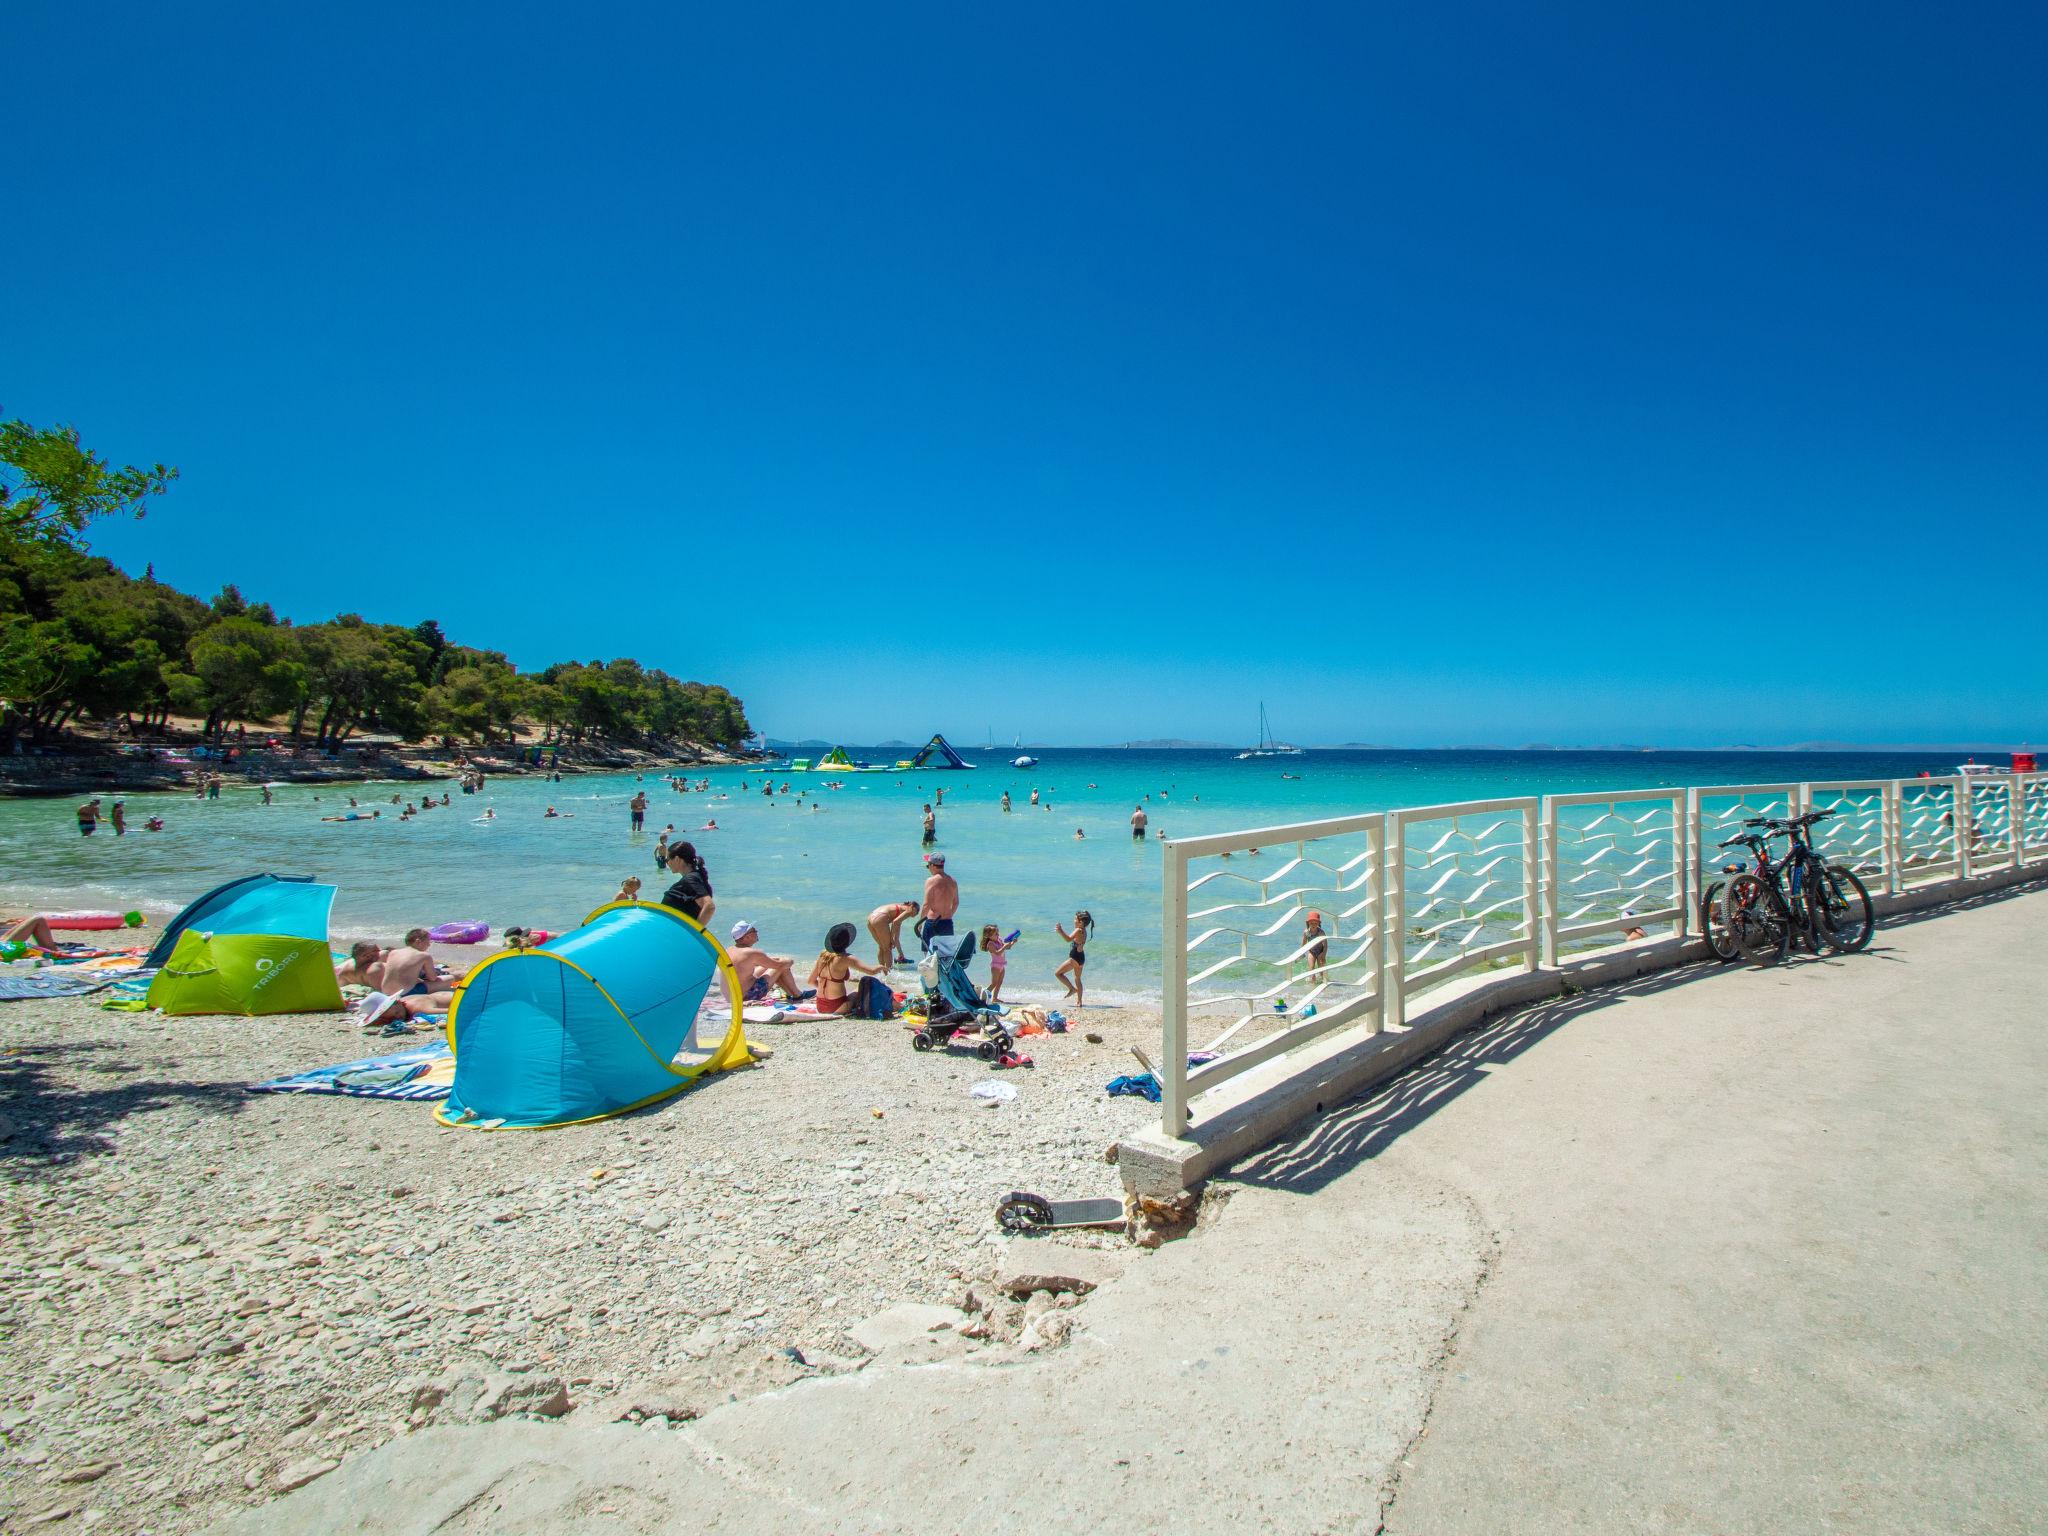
x,y
36,984
1142,1085
423,1072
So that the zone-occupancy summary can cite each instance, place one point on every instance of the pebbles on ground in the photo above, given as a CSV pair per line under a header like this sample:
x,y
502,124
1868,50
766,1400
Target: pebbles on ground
x,y
208,1297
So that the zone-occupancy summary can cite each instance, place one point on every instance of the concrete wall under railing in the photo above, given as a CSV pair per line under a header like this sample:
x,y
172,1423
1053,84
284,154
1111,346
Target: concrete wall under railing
x,y
1241,1116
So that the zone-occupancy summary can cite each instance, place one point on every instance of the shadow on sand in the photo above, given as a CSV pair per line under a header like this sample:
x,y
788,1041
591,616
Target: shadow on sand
x,y
50,1118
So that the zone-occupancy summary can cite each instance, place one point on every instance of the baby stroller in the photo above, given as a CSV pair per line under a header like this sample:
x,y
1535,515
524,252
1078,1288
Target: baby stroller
x,y
954,1004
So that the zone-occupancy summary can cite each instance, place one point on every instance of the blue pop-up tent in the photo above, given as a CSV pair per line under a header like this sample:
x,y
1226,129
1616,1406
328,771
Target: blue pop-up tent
x,y
291,905
590,1024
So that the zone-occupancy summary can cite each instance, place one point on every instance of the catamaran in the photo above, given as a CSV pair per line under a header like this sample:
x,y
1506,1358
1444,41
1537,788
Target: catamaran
x,y
1267,746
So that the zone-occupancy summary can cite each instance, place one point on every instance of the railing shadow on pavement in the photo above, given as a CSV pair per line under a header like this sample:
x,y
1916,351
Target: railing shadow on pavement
x,y
1361,1128
52,1120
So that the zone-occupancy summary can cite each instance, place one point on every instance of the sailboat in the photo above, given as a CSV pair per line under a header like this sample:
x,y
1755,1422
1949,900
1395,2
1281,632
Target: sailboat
x,y
1267,746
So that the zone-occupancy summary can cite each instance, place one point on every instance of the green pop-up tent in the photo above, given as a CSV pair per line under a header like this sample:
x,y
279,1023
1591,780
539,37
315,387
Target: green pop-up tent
x,y
263,949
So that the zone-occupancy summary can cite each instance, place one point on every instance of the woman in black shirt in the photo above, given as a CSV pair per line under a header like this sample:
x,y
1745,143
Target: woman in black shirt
x,y
691,892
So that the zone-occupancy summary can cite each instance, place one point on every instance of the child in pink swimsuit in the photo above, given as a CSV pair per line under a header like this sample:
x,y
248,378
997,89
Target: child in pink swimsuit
x,y
998,960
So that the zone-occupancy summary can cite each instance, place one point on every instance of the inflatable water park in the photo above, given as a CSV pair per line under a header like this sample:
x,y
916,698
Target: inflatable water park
x,y
937,753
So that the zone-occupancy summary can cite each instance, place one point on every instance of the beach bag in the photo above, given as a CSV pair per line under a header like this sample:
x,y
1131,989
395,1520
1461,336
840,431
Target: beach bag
x,y
874,1000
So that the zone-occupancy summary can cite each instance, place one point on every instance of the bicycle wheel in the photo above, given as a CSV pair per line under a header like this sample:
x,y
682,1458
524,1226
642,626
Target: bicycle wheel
x,y
1841,910
1714,923
1757,920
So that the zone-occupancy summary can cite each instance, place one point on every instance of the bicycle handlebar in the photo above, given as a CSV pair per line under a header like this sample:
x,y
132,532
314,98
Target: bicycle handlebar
x,y
1781,825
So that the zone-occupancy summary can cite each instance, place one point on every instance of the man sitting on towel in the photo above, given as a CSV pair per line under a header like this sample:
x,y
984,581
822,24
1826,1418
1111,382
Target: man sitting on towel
x,y
411,970
757,969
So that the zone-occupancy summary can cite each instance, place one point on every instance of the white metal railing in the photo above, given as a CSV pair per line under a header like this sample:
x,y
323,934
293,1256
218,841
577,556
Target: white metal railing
x,y
1405,901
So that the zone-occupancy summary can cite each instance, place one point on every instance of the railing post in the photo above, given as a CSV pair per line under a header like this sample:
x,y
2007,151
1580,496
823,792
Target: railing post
x,y
1376,952
1394,924
1893,823
1695,878
1546,880
1965,802
1173,1008
1532,883
2016,798
1683,923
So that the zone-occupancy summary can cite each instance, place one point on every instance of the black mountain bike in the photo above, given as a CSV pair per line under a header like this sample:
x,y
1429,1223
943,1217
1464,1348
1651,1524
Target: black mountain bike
x,y
1762,909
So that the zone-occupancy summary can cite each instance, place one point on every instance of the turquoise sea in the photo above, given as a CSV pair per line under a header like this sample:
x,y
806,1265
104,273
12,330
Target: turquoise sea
x,y
795,867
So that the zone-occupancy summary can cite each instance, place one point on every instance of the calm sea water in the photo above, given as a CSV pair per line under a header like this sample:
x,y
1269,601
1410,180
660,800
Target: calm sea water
x,y
795,868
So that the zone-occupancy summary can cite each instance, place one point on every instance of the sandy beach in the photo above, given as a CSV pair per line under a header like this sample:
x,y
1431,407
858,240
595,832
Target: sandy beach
x,y
208,1295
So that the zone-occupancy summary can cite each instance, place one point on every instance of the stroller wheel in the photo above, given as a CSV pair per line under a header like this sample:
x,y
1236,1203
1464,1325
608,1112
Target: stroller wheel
x,y
987,1050
920,1041
1021,1212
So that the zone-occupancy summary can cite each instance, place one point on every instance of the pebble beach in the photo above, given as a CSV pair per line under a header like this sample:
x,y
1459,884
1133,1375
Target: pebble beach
x,y
209,1296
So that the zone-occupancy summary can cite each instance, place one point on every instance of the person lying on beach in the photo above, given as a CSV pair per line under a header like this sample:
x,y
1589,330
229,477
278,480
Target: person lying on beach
x,y
758,970
30,930
363,968
379,1009
834,968
885,927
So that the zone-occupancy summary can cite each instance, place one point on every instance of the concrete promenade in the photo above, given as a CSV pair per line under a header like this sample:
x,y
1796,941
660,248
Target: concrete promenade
x,y
1741,1251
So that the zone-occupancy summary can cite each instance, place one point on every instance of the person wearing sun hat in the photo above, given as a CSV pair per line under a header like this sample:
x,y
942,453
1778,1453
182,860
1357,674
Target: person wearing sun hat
x,y
1317,944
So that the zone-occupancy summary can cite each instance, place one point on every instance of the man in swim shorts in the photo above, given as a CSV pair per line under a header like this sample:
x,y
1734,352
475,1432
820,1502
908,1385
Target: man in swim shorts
x,y
411,970
931,827
1138,823
639,809
757,969
88,816
941,901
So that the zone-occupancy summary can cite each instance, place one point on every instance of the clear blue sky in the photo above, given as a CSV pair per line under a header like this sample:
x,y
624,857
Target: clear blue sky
x,y
1437,374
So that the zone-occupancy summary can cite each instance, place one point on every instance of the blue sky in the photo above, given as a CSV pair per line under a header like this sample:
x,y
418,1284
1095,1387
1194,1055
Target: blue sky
x,y
1435,374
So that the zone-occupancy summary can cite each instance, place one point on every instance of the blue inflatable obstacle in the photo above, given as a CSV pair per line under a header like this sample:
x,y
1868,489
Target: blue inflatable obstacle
x,y
591,1024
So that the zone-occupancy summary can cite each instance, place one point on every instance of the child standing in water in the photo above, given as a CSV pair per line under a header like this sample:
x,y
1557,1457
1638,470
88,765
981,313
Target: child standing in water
x,y
1069,973
998,960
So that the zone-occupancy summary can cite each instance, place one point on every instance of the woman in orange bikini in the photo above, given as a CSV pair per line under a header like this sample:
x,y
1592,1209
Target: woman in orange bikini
x,y
834,968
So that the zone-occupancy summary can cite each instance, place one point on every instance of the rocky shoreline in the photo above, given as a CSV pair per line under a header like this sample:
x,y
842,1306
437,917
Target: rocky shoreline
x,y
55,774
209,1297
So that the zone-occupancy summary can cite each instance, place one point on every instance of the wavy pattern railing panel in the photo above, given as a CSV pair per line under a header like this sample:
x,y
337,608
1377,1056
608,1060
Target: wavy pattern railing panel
x,y
1410,900
1927,841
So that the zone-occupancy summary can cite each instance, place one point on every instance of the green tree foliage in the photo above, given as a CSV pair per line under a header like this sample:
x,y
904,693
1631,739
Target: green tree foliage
x,y
51,486
81,640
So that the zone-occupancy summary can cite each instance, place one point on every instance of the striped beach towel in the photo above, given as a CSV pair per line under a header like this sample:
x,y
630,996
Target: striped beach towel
x,y
424,1072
